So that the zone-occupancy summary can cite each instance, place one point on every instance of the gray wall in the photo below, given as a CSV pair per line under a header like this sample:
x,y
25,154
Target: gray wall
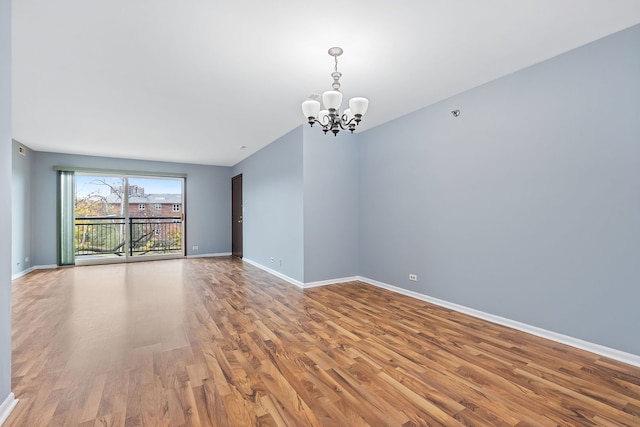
x,y
272,181
21,209
527,206
301,205
5,194
330,205
208,202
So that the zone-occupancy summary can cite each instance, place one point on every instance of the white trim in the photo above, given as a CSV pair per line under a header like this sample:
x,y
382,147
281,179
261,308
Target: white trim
x,y
30,269
275,273
611,353
299,283
209,255
6,407
330,282
22,273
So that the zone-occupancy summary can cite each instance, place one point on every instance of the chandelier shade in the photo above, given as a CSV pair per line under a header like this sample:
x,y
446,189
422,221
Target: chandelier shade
x,y
330,118
310,108
332,99
358,105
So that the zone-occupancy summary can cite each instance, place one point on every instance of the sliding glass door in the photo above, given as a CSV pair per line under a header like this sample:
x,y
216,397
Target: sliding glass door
x,y
118,218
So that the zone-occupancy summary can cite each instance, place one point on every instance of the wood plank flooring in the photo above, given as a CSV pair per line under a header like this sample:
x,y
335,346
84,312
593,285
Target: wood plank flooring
x,y
218,342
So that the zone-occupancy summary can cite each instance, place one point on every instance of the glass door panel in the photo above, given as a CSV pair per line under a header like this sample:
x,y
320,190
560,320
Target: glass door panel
x,y
155,216
100,223
122,217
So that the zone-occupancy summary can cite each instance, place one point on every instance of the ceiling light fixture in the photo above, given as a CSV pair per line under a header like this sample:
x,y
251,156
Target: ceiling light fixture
x,y
330,118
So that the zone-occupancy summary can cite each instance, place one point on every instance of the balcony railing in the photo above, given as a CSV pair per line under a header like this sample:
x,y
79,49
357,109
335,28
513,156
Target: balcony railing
x,y
146,235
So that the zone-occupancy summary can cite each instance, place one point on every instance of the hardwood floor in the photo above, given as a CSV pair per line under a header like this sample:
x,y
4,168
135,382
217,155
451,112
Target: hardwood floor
x,y
218,342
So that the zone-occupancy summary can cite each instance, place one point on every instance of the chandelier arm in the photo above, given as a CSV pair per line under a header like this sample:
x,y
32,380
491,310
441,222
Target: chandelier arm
x,y
313,120
345,124
326,127
334,121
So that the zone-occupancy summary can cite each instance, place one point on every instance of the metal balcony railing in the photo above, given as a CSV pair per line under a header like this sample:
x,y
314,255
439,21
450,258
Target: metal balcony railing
x,y
146,235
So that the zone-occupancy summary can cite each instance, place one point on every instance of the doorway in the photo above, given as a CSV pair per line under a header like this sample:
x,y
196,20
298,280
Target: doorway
x,y
119,218
236,216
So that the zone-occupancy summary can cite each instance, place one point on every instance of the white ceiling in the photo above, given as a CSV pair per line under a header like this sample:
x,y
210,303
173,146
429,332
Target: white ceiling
x,y
193,81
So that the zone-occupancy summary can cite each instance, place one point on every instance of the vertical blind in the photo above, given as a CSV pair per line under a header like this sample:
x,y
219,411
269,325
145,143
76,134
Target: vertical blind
x,y
66,208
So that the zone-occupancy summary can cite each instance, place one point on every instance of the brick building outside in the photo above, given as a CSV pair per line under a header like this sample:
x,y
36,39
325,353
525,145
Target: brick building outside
x,y
146,205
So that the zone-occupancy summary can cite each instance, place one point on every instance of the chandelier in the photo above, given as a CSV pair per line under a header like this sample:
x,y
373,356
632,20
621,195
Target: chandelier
x,y
330,118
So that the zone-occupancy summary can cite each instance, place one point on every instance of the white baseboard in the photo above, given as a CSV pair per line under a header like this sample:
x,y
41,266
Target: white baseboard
x,y
299,283
331,282
275,273
30,269
611,353
6,407
209,255
22,273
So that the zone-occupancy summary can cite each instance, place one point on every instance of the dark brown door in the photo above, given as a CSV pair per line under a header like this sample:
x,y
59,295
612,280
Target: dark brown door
x,y
236,216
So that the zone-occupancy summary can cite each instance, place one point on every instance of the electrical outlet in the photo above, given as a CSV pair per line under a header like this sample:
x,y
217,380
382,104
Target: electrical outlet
x,y
195,248
413,277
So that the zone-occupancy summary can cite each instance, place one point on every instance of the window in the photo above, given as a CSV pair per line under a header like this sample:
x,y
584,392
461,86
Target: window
x,y
138,208
176,207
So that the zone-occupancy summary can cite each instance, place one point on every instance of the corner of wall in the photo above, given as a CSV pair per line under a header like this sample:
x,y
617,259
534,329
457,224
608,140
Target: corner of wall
x,y
5,214
21,190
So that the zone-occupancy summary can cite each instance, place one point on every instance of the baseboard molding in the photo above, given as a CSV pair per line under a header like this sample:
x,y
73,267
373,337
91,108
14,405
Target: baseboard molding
x,y
30,269
275,273
209,255
298,283
22,273
6,407
330,282
601,350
